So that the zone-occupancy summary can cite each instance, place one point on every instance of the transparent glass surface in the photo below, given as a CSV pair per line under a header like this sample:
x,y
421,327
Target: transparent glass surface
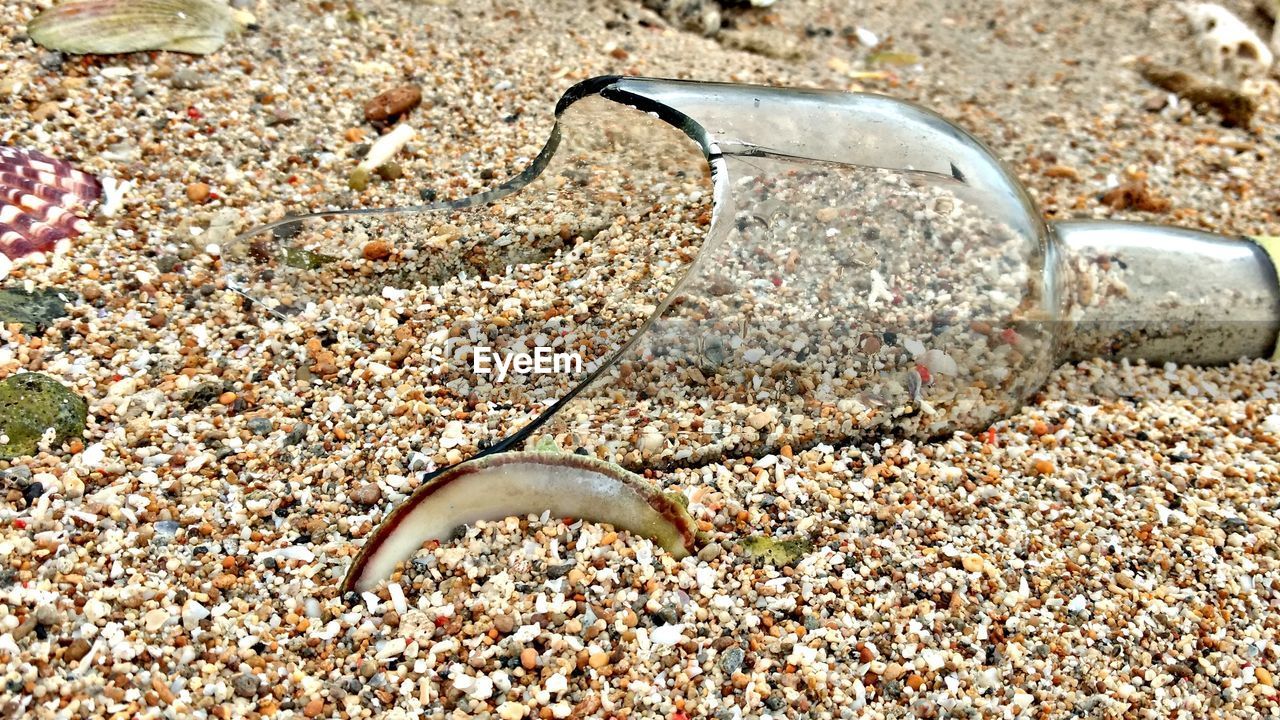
x,y
571,257
837,303
865,269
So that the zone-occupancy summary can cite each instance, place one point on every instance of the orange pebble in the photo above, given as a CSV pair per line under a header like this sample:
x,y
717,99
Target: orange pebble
x,y
377,250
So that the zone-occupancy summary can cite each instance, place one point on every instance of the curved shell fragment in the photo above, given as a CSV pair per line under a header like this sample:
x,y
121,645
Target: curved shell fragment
x,y
519,483
107,27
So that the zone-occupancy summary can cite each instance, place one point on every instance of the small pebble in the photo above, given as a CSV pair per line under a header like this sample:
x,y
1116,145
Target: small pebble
x,y
393,103
973,563
504,624
198,192
731,660
511,711
245,685
377,250
76,650
367,494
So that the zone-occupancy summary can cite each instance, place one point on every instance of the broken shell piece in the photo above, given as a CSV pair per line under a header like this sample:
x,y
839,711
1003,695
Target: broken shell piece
x,y
38,199
518,483
1227,44
113,194
106,27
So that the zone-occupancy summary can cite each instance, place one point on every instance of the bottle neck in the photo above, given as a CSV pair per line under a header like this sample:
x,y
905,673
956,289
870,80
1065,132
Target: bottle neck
x,y
1163,294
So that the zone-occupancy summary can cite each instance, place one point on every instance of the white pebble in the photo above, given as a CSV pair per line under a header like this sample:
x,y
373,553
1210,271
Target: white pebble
x,y
394,647
557,683
156,619
667,634
95,610
192,613
397,598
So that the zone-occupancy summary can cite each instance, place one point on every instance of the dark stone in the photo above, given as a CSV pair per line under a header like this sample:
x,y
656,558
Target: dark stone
x,y
731,660
201,396
51,60
559,571
36,310
297,435
32,492
666,616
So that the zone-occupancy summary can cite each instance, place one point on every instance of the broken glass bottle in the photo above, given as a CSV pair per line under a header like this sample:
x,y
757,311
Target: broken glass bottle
x,y
741,268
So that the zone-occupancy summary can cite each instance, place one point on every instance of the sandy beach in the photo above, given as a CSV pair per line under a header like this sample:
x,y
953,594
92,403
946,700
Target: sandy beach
x,y
1109,550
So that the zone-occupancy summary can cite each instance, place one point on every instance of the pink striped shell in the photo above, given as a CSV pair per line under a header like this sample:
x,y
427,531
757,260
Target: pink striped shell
x,y
39,197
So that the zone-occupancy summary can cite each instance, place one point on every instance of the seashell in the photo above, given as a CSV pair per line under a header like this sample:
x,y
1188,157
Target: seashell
x,y
38,199
105,27
519,483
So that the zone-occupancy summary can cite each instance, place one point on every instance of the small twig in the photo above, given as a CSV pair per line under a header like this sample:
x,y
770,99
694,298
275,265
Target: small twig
x,y
1236,108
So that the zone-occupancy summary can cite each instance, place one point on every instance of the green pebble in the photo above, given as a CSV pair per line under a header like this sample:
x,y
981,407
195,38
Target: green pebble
x,y
775,550
305,259
358,180
31,403
390,171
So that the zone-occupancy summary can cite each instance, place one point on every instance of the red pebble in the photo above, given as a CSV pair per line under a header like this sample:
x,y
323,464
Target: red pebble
x,y
925,376
1009,335
441,620
193,113
20,524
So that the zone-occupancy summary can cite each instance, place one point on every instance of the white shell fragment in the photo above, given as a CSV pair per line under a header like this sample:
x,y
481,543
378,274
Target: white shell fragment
x,y
382,150
520,483
1228,46
386,147
108,27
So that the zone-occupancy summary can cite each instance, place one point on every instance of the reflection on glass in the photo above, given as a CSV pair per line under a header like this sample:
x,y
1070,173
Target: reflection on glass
x,y
841,303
